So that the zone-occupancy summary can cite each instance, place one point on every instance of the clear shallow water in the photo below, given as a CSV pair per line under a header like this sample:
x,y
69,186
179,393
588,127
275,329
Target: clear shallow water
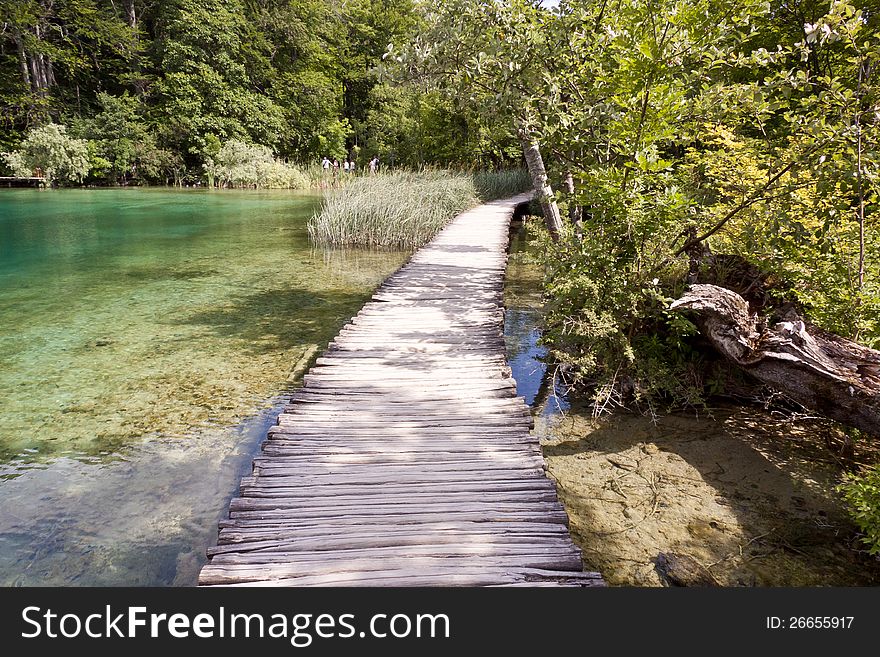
x,y
522,332
144,336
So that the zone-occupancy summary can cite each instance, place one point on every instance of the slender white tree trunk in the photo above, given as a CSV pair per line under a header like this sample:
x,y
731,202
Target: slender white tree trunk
x,y
537,172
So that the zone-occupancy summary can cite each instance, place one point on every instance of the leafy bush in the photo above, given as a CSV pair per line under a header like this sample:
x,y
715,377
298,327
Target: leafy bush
x,y
605,311
238,164
122,146
862,493
50,150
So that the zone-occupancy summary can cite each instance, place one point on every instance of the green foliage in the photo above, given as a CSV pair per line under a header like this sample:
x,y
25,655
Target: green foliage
x,y
675,119
606,319
862,493
749,126
411,125
237,164
175,76
206,86
49,151
406,209
123,149
809,117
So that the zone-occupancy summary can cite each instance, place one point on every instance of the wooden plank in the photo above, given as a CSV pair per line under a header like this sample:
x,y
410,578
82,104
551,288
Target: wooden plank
x,y
271,551
298,526
449,397
305,398
283,444
242,541
482,387
260,565
420,534
267,467
386,506
471,437
426,576
366,422
291,519
376,478
448,459
427,528
536,486
295,494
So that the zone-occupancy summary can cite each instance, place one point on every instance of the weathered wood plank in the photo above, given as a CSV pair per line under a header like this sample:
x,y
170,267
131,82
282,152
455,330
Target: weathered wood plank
x,y
287,444
277,540
292,519
396,489
425,576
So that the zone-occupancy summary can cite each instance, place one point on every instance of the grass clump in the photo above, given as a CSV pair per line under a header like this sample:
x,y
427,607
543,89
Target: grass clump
x,y
404,210
491,185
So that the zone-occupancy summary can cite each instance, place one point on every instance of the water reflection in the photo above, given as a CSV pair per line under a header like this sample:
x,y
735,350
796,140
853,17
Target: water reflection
x,y
522,330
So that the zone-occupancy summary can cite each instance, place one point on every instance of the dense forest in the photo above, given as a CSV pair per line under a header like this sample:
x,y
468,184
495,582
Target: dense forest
x,y
152,89
733,144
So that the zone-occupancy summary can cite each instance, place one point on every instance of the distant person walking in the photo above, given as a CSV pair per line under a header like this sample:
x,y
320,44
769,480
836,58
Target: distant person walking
x,y
345,166
374,164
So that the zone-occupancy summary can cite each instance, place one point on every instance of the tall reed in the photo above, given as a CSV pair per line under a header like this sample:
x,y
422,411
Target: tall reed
x,y
406,209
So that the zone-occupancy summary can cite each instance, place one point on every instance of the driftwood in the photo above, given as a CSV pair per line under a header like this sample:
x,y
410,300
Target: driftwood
x,y
823,372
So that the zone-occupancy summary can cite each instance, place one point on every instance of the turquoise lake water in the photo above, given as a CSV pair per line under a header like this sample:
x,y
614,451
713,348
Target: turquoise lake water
x,y
145,338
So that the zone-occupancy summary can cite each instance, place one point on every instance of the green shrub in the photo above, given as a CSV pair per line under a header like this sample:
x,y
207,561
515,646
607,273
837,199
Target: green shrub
x,y
238,164
606,318
862,493
51,151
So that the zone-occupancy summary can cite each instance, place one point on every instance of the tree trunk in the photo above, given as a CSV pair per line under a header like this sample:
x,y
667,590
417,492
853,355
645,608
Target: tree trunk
x,y
537,172
131,14
574,210
575,213
821,371
23,61
42,75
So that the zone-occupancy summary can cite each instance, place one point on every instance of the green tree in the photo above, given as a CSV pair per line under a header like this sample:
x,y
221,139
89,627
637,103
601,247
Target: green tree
x,y
123,141
205,87
50,152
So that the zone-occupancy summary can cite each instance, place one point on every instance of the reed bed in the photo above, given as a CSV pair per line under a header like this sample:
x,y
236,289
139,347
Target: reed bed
x,y
491,185
404,210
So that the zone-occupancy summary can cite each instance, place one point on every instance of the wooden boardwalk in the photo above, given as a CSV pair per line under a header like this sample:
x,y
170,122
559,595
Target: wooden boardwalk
x,y
406,459
17,181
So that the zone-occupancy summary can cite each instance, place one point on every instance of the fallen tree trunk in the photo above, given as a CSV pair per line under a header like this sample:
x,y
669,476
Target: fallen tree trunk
x,y
823,372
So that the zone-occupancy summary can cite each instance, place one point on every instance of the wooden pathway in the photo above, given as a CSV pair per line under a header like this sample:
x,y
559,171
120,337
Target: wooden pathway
x,y
406,459
17,181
